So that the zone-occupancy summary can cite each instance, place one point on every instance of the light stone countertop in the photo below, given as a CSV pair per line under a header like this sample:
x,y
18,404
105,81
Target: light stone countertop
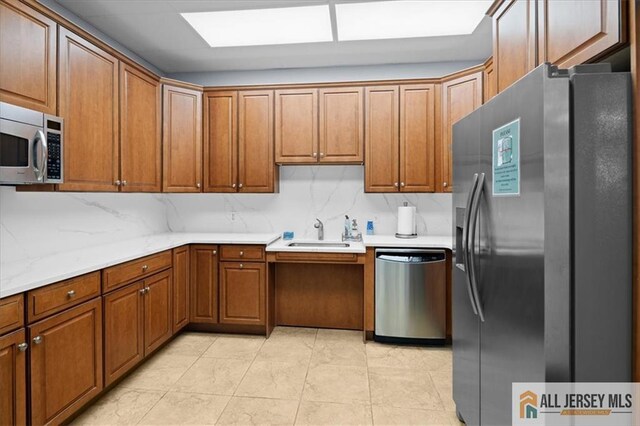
x,y
17,277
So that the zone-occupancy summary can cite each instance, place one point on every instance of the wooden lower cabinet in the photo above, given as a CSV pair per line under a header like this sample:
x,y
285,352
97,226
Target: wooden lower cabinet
x,y
204,284
66,362
123,330
242,293
157,311
13,379
180,288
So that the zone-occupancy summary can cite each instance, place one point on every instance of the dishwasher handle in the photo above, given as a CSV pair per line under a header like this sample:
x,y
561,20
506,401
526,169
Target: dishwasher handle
x,y
419,257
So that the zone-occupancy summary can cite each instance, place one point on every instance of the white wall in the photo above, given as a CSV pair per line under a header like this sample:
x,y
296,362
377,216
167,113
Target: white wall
x,y
37,224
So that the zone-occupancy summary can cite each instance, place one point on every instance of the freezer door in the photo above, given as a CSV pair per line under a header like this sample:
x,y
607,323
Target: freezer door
x,y
509,246
465,322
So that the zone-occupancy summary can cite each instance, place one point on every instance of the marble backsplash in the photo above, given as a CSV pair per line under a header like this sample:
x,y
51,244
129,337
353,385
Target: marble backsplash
x,y
37,224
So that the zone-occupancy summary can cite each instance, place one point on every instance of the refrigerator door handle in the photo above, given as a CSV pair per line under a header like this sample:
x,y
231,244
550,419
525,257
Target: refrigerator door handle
x,y
465,241
473,221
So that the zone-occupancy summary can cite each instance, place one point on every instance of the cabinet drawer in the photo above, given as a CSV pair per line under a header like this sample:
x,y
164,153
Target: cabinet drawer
x,y
11,313
237,253
119,275
54,298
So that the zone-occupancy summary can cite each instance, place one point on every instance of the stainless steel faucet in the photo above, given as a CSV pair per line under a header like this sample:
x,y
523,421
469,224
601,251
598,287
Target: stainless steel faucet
x,y
320,227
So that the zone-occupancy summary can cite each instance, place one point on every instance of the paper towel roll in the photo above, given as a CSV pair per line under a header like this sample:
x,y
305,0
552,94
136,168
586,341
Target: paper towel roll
x,y
406,220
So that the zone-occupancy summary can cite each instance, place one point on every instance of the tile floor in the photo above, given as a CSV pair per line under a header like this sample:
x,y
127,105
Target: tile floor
x,y
298,376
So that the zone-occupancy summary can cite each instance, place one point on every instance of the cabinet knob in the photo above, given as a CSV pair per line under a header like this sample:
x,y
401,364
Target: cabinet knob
x,y
241,266
239,185
147,289
321,154
241,253
214,252
395,184
445,184
233,185
71,293
23,347
144,268
315,154
117,183
402,184
124,183
142,291
198,185
37,340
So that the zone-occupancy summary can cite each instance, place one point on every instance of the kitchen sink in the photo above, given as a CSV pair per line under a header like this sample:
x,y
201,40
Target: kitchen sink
x,y
318,244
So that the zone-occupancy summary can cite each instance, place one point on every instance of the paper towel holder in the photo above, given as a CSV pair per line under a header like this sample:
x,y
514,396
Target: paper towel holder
x,y
407,236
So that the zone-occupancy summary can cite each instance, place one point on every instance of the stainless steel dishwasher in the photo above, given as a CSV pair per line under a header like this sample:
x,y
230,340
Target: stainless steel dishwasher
x,y
410,295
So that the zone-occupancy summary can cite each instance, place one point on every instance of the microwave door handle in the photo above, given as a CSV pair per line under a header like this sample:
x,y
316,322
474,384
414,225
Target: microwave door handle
x,y
40,168
465,241
471,245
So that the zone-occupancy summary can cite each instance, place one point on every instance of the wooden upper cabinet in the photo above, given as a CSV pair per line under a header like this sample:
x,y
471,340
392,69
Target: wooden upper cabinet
x,y
381,139
181,273
256,167
572,32
140,131
88,88
242,293
204,284
27,57
221,142
296,126
182,139
341,135
13,379
66,362
489,81
123,330
514,43
417,138
460,97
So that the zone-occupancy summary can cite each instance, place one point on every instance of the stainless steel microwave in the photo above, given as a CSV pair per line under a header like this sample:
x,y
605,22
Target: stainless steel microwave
x,y
31,146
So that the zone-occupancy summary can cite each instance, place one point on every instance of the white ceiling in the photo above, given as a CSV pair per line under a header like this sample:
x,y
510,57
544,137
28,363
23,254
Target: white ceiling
x,y
155,30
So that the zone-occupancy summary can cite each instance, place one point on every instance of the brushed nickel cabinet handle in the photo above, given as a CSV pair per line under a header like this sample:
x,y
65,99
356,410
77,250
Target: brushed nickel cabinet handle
x,y
144,268
147,289
395,184
71,293
117,183
142,291
124,183
23,347
315,154
37,340
214,252
241,253
239,185
241,266
321,154
233,185
402,184
445,184
198,185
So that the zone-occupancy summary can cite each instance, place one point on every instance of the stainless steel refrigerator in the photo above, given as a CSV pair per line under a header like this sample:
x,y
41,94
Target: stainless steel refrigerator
x,y
542,238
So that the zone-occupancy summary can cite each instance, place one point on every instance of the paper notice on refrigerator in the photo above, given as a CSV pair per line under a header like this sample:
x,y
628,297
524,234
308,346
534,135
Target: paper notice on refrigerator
x,y
506,159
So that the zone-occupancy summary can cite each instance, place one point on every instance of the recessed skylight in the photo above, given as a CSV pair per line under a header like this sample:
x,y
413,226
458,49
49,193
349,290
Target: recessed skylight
x,y
407,19
306,24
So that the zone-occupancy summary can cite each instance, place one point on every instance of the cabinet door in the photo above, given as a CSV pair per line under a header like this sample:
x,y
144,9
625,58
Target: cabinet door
x,y
381,139
460,97
341,125
242,293
255,142
27,57
182,139
571,32
158,322
489,81
123,331
417,138
514,43
13,379
296,126
204,284
140,131
66,362
221,142
89,105
180,288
